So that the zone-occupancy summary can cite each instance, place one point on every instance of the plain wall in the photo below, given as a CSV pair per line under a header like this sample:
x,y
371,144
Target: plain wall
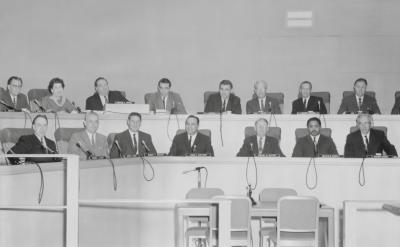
x,y
198,43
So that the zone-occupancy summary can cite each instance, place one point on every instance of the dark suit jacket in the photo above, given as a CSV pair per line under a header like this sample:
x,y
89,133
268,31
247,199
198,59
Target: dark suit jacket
x,y
174,103
312,105
349,104
305,147
214,104
126,143
180,145
271,146
396,107
22,101
378,142
94,102
30,144
271,104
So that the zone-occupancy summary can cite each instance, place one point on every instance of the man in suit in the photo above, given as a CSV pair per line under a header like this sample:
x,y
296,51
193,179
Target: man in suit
x,y
191,141
132,142
396,107
165,99
103,96
367,141
314,144
224,101
88,143
262,103
307,102
12,98
260,144
359,102
36,143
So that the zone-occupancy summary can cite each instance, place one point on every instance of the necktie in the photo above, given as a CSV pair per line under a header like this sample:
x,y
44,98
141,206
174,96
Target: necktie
x,y
359,103
44,145
134,144
262,106
163,101
93,143
260,146
305,104
190,141
223,106
315,144
15,101
366,143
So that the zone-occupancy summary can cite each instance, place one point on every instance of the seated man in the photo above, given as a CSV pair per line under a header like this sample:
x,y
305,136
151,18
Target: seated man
x,y
191,141
224,101
36,143
132,141
314,144
396,107
260,144
12,97
103,95
367,141
307,102
262,103
359,102
165,99
89,144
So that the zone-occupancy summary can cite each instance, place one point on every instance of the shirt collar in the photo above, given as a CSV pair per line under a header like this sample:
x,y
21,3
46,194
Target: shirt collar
x,y
316,138
131,132
193,136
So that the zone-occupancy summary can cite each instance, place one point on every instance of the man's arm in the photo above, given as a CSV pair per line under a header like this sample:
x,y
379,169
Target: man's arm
x,y
348,148
297,151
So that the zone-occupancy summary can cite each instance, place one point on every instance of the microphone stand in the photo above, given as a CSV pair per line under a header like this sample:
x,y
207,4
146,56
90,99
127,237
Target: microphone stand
x,y
249,187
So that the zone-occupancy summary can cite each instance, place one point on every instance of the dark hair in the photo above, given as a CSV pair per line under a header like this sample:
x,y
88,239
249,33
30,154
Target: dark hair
x,y
195,117
306,82
55,81
99,79
361,79
14,78
40,116
226,82
135,114
314,119
164,80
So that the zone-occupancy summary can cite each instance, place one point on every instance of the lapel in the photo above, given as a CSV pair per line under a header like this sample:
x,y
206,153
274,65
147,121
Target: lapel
x,y
310,103
186,141
86,139
196,140
371,139
98,100
130,140
354,102
265,145
257,104
7,98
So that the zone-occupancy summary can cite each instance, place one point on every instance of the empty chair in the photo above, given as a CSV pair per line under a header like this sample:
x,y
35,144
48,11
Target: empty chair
x,y
206,132
381,128
271,195
62,136
272,132
297,223
147,97
199,231
9,136
302,132
397,94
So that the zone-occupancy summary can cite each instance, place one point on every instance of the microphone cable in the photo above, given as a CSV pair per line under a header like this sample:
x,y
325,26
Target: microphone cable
x,y
41,189
144,162
26,116
115,182
361,174
312,187
168,122
220,128
205,180
272,114
320,113
247,171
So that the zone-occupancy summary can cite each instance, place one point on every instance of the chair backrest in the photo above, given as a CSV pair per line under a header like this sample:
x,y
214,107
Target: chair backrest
x,y
206,132
204,193
274,194
123,93
147,97
297,215
10,136
272,132
62,136
37,93
397,94
381,128
280,97
110,139
207,95
348,93
240,212
302,132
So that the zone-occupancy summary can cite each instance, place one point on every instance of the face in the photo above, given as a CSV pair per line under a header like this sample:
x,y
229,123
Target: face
x,y
359,88
261,128
305,90
14,87
57,90
134,123
40,127
92,123
191,126
164,88
364,124
314,128
260,90
102,87
225,91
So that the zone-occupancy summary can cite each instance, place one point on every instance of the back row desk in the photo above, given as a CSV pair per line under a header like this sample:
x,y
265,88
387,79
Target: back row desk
x,y
116,224
232,127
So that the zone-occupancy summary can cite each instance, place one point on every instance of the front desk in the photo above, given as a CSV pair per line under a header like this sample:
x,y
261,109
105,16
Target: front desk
x,y
153,224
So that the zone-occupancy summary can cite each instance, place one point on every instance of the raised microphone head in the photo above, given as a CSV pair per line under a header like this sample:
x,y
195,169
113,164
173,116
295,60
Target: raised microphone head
x,y
194,148
39,105
89,154
146,148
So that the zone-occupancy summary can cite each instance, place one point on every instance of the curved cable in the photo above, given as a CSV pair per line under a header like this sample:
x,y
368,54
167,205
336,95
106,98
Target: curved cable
x,y
312,160
41,189
115,182
144,161
247,171
220,129
361,173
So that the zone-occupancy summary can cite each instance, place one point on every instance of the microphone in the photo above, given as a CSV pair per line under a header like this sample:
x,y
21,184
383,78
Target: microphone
x,y
9,106
48,149
118,147
319,106
194,149
251,149
146,148
89,155
77,108
39,105
270,106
